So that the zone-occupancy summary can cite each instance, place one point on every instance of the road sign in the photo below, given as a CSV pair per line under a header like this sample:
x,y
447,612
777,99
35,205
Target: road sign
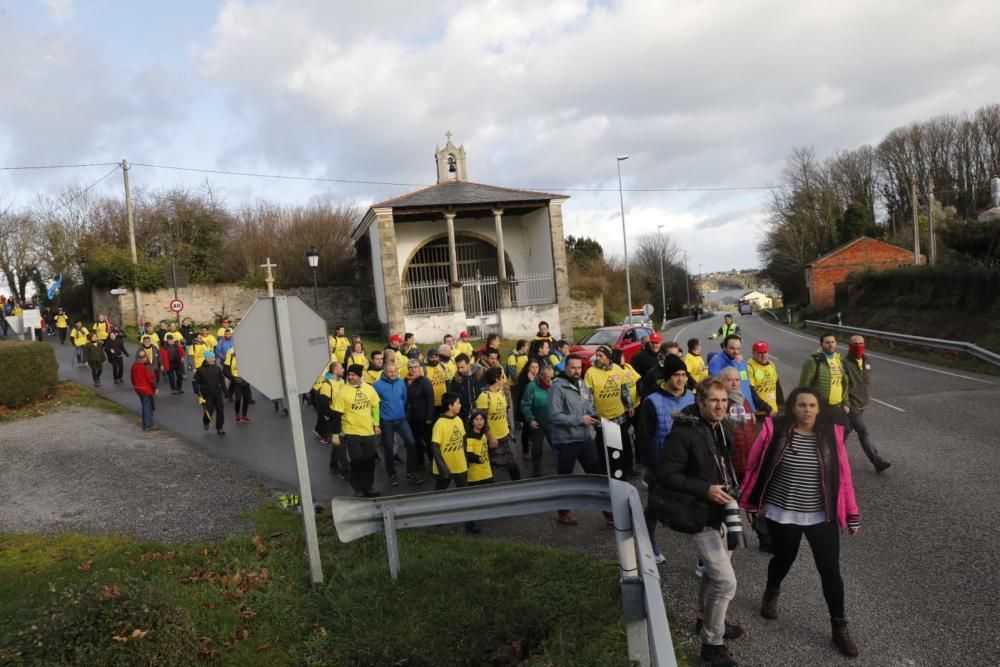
x,y
256,344
176,305
32,318
118,291
648,309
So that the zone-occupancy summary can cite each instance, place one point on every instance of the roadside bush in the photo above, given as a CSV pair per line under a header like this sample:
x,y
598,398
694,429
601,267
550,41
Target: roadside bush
x,y
112,267
28,371
127,623
966,287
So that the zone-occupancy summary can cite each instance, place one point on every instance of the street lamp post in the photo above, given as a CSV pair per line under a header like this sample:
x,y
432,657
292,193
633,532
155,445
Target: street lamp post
x,y
663,284
687,282
621,202
313,256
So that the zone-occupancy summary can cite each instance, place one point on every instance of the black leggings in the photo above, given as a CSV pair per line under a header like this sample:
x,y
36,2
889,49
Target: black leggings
x,y
824,540
241,390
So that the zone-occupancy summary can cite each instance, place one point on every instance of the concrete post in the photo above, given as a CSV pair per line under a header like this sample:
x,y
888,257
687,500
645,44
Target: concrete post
x,y
559,271
457,300
505,299
390,270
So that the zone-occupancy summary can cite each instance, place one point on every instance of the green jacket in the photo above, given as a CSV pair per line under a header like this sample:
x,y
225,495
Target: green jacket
x,y
94,352
535,404
859,378
816,374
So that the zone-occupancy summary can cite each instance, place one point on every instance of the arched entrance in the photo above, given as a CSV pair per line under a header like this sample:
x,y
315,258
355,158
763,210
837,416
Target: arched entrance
x,y
429,272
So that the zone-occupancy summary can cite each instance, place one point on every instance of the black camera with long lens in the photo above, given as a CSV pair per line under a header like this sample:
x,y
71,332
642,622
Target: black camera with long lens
x,y
733,520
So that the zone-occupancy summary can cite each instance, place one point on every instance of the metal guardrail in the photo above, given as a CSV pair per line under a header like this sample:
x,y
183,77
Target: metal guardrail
x,y
647,628
938,343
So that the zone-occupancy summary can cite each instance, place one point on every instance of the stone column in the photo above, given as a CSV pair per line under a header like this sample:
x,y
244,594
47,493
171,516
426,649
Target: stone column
x,y
505,300
559,270
390,270
457,300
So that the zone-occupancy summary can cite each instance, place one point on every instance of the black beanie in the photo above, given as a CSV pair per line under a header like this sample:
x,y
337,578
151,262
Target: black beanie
x,y
357,369
671,364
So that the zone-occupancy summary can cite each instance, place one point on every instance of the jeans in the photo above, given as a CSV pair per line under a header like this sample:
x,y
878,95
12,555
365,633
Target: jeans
x,y
824,540
568,453
718,584
536,438
649,514
857,423
389,430
148,407
79,355
117,368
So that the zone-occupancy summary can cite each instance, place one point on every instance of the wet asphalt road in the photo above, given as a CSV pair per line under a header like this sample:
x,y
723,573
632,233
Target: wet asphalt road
x,y
921,578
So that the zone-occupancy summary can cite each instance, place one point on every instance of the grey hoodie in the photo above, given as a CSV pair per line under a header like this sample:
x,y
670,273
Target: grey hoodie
x,y
568,403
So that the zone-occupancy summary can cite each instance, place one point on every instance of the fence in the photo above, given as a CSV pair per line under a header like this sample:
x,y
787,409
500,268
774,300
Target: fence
x,y
532,289
937,343
646,625
426,297
481,295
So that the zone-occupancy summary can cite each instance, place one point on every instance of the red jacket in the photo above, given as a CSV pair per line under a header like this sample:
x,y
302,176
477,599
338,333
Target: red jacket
x,y
165,356
143,379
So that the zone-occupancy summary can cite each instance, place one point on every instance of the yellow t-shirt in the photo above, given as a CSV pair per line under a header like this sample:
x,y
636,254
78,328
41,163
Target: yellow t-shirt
x,y
696,366
515,362
836,380
606,388
357,358
209,339
61,321
330,388
632,382
450,368
465,348
371,375
338,347
449,435
359,407
175,335
154,338
198,353
101,329
478,445
495,404
436,374
79,336
231,362
764,380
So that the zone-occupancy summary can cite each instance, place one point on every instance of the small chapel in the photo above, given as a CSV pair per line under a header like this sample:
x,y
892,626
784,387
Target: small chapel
x,y
464,256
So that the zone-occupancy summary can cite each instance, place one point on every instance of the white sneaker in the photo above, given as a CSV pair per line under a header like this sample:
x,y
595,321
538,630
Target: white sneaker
x,y
699,569
660,558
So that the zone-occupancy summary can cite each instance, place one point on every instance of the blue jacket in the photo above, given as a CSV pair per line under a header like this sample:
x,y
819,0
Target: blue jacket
x,y
721,361
392,394
656,419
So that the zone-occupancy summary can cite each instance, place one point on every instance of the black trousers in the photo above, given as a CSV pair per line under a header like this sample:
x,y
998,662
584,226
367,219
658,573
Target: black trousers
x,y
176,377
62,335
824,540
96,368
117,367
241,392
361,450
422,438
460,478
214,408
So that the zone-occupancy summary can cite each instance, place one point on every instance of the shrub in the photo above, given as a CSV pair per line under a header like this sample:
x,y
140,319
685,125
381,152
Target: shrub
x,y
966,287
29,371
93,623
112,267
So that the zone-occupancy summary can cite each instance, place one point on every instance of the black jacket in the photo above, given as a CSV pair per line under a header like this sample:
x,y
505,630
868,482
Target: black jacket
x,y
688,468
211,381
420,400
115,349
645,360
468,387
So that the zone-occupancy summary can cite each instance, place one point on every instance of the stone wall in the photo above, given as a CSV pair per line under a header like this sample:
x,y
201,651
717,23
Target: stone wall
x,y
586,312
209,303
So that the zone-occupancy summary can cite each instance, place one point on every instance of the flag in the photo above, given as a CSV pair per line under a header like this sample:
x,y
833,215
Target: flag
x,y
54,287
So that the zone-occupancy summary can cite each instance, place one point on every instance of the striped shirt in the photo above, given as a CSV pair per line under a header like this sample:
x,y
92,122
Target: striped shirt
x,y
796,490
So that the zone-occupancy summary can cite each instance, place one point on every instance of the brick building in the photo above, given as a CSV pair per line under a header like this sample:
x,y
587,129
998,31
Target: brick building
x,y
826,278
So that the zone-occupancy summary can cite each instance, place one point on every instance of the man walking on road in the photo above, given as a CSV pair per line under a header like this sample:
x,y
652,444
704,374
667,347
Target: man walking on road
x,y
144,383
824,373
573,417
211,388
732,355
391,391
764,381
356,425
728,328
858,373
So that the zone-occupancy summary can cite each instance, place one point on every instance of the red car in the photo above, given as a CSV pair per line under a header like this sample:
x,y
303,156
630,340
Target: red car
x,y
627,338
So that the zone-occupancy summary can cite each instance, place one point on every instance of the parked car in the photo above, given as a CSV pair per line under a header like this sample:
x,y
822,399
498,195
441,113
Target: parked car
x,y
627,338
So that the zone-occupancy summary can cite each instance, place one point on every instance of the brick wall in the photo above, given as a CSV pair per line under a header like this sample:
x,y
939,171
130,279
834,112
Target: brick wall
x,y
586,312
207,303
866,254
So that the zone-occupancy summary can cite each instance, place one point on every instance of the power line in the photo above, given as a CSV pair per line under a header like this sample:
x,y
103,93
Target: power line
x,y
65,203
58,166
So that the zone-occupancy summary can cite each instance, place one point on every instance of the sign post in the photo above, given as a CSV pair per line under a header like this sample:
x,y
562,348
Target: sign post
x,y
176,306
283,361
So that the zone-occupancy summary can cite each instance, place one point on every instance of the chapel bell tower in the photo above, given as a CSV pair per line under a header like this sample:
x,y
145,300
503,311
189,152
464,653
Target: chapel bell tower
x,y
451,162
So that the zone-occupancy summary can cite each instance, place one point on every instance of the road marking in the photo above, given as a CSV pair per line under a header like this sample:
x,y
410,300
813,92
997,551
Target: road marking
x,y
883,357
888,405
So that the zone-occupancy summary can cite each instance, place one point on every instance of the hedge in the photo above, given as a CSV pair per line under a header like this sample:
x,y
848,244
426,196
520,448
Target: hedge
x,y
965,287
28,371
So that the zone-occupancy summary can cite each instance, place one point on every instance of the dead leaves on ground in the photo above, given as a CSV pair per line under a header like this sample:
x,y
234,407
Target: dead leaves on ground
x,y
135,635
259,545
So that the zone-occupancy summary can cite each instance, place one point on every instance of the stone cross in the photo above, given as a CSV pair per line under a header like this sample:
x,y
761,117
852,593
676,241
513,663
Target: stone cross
x,y
448,136
270,277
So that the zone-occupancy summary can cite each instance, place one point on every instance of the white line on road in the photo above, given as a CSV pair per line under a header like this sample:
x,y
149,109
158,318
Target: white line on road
x,y
881,356
888,405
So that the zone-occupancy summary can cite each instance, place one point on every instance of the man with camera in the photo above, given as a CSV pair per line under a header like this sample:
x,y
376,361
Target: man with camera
x,y
696,493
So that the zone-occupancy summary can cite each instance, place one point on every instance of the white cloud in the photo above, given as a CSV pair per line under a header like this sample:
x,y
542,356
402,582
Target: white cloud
x,y
60,11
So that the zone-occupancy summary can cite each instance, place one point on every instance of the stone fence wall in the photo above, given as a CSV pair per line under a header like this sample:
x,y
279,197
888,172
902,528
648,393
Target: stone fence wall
x,y
210,303
587,312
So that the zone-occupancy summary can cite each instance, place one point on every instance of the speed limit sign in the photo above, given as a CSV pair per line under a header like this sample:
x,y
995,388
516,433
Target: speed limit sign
x,y
176,305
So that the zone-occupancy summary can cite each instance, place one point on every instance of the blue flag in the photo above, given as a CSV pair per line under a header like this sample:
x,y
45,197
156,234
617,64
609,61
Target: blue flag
x,y
54,287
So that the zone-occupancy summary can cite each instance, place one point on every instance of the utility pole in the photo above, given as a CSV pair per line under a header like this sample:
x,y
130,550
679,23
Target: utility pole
x,y
916,224
687,282
621,202
131,241
663,284
932,246
173,262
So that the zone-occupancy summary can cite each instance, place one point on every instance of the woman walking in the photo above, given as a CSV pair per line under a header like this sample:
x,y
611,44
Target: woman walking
x,y
798,480
94,353
114,349
527,375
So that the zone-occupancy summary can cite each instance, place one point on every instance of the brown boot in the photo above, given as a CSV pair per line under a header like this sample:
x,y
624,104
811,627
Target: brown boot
x,y
842,638
769,604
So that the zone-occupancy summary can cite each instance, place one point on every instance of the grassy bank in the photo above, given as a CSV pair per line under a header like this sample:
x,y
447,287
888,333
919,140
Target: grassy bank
x,y
246,600
67,394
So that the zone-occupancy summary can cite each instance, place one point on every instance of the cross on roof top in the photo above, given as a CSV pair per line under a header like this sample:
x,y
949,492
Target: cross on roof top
x,y
270,276
448,136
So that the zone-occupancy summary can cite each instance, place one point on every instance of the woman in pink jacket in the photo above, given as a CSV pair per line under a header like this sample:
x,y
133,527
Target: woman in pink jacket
x,y
798,480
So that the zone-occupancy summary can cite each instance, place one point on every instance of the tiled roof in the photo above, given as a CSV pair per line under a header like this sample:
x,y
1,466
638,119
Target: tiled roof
x,y
458,193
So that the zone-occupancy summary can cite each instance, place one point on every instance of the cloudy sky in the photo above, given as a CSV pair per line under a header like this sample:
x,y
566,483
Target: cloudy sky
x,y
701,94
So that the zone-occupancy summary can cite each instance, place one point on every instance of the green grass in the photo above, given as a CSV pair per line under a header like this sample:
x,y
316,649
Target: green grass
x,y
68,394
458,601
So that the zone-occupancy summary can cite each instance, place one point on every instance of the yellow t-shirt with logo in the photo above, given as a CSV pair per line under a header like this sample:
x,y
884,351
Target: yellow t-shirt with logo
x,y
359,407
79,336
632,382
495,405
764,380
437,376
465,348
449,434
478,445
836,380
61,321
606,388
